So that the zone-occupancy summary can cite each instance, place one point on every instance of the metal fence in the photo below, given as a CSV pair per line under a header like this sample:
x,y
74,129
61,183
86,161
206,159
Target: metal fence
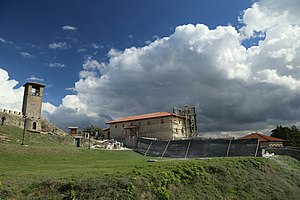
x,y
195,148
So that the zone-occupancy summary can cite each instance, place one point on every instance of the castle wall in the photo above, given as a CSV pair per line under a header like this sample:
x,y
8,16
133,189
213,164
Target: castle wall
x,y
51,128
13,118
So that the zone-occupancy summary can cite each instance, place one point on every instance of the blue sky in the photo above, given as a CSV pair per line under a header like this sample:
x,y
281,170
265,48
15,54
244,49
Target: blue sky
x,y
33,25
237,62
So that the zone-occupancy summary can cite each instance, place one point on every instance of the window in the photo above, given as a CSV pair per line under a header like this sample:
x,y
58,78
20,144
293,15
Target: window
x,y
162,121
116,126
123,125
140,123
34,126
148,122
131,124
35,92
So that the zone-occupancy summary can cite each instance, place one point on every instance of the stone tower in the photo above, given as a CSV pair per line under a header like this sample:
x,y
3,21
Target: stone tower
x,y
32,104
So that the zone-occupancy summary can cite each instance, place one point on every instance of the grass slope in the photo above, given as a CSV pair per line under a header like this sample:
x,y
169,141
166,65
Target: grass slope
x,y
51,168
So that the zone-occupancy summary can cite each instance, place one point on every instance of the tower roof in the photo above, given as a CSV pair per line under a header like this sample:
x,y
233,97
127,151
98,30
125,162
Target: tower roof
x,y
34,83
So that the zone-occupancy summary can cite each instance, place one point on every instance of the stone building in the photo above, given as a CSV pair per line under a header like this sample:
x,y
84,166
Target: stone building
x,y
32,105
160,125
30,118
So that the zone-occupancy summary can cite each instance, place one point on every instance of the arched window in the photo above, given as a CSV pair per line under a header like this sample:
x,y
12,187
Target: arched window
x,y
2,120
34,126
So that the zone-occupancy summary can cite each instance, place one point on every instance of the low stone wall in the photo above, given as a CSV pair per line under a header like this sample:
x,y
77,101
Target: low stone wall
x,y
194,148
13,118
290,151
51,128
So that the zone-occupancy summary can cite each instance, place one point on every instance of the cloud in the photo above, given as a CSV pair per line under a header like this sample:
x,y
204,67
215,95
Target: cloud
x,y
5,41
81,50
13,96
57,65
2,40
232,87
26,55
69,28
34,78
265,15
59,45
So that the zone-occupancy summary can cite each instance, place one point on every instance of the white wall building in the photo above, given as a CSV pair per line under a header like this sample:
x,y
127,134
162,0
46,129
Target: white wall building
x,y
160,125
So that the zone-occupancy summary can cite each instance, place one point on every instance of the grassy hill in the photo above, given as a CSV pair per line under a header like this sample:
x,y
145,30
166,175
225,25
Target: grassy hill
x,y
50,167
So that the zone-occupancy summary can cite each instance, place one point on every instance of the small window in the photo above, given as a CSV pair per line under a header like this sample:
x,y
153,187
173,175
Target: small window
x,y
140,123
148,122
116,126
34,126
123,125
162,121
176,130
131,124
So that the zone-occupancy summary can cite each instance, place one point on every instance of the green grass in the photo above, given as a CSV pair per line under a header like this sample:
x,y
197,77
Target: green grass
x,y
50,167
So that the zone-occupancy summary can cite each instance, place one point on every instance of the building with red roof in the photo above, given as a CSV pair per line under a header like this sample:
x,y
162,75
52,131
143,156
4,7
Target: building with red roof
x,y
160,125
265,141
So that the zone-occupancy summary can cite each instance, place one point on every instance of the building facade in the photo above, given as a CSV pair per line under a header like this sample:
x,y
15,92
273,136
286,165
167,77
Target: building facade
x,y
160,125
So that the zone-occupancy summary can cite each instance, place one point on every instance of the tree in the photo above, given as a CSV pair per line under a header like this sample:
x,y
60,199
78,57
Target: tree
x,y
290,135
93,130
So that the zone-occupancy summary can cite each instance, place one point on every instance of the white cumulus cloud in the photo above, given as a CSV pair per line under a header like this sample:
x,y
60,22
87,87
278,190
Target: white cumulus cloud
x,y
11,96
232,87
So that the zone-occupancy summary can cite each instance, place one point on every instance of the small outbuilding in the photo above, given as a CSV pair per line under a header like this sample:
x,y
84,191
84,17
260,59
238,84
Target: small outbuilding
x,y
73,130
265,141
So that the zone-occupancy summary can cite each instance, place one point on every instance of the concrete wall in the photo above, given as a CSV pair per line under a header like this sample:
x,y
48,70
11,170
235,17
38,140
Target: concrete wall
x,y
165,128
193,148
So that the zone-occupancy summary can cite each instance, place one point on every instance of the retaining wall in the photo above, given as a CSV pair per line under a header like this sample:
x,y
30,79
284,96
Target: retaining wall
x,y
194,148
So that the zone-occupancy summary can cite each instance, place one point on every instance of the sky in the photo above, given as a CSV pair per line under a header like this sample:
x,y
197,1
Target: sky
x,y
237,62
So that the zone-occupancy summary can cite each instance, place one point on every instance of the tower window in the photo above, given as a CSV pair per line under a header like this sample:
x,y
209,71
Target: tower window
x,y
35,92
34,126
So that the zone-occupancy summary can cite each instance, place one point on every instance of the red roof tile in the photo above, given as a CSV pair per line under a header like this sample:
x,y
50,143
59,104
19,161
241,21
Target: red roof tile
x,y
144,116
261,138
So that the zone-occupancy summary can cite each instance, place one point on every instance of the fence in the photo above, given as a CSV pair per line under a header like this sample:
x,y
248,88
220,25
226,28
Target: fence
x,y
194,148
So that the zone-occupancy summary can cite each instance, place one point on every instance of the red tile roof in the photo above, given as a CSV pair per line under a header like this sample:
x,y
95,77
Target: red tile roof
x,y
261,138
144,116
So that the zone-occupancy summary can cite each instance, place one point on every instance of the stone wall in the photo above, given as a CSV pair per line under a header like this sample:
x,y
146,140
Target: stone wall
x,y
51,128
15,118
